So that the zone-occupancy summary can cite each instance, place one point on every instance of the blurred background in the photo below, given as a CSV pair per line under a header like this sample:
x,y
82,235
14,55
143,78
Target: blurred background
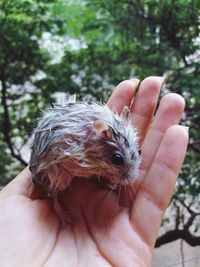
x,y
52,48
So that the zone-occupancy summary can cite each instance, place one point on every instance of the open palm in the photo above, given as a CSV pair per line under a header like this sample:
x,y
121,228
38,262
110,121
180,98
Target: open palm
x,y
103,232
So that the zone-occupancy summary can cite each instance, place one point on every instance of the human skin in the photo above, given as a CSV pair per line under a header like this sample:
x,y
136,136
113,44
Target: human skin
x,y
103,232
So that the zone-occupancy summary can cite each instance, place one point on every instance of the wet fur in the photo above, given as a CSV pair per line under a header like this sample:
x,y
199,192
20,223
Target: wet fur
x,y
67,146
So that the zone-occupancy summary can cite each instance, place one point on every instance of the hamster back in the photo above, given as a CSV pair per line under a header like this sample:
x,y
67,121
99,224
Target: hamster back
x,y
84,140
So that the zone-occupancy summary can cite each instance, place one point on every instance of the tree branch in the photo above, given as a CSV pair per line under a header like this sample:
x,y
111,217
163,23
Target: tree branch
x,y
188,207
173,235
6,126
190,221
184,233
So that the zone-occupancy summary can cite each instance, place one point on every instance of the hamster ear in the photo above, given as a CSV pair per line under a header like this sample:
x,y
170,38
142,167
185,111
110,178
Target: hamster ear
x,y
125,113
102,129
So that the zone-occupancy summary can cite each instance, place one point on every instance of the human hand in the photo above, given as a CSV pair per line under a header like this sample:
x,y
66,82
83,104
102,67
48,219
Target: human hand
x,y
103,232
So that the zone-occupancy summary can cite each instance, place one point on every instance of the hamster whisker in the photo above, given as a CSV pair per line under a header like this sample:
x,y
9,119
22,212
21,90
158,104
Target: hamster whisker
x,y
130,193
70,187
107,196
118,194
125,190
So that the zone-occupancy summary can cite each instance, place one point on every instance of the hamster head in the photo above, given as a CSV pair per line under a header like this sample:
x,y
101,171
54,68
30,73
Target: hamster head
x,y
116,149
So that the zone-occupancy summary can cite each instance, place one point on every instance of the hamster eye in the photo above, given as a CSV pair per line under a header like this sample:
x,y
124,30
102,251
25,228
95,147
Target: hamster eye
x,y
139,151
117,159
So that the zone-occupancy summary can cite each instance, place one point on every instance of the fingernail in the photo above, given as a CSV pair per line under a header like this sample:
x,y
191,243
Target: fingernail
x,y
186,127
135,80
160,78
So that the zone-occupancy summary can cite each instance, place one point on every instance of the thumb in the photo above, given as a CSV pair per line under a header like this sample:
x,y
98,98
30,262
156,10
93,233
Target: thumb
x,y
20,185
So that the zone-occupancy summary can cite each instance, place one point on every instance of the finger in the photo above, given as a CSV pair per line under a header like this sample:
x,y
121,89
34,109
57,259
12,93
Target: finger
x,y
169,113
123,95
20,185
145,103
157,188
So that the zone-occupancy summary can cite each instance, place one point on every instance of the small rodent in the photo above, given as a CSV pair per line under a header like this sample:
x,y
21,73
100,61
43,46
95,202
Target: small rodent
x,y
84,140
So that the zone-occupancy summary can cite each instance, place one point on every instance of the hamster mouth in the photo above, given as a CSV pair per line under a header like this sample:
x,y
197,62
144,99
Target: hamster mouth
x,y
111,182
114,183
105,182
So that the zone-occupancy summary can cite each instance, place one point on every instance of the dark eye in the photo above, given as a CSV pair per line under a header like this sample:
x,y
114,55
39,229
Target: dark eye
x,y
117,159
139,151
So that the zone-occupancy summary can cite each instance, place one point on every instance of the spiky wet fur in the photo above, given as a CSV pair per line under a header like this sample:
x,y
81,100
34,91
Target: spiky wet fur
x,y
67,146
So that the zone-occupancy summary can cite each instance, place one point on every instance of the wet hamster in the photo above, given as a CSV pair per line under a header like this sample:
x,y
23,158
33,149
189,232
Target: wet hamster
x,y
84,140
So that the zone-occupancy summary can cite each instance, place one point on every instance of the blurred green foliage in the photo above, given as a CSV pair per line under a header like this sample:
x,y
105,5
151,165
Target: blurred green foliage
x,y
87,47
